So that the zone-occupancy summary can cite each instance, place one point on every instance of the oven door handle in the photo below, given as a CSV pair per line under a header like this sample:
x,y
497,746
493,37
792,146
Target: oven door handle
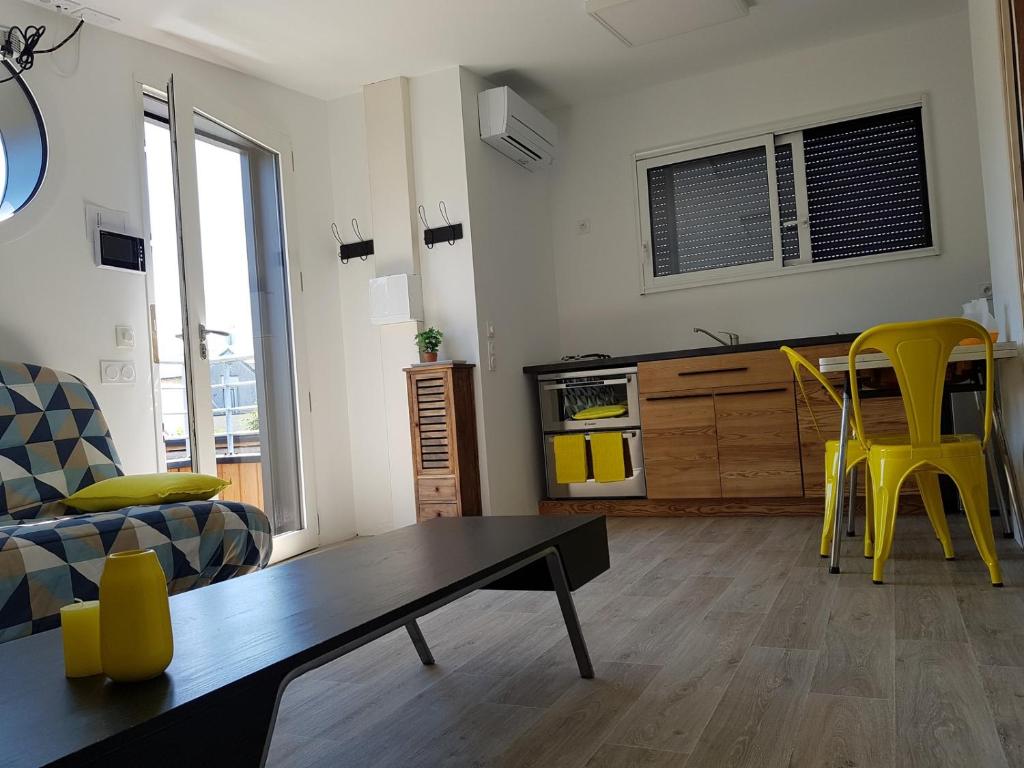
x,y
603,382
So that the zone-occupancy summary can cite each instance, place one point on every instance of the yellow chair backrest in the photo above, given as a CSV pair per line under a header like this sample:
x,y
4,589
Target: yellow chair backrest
x,y
919,352
799,364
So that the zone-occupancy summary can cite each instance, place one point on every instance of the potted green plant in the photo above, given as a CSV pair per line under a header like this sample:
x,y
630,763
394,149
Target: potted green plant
x,y
428,342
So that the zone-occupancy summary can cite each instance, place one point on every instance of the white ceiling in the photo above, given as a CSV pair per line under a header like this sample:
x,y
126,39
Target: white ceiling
x,y
549,50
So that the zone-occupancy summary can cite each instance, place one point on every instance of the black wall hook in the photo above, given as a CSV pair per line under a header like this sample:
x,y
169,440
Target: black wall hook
x,y
448,233
361,248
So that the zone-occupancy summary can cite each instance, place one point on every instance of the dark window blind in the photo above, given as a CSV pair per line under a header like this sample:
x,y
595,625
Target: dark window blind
x,y
785,181
867,189
710,213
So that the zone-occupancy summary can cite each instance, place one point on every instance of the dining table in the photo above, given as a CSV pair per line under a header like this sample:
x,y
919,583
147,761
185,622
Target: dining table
x,y
963,357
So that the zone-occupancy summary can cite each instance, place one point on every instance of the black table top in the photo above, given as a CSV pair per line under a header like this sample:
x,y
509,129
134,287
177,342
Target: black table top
x,y
627,360
286,615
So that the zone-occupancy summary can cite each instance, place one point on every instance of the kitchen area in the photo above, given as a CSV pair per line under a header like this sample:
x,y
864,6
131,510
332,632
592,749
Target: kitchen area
x,y
718,430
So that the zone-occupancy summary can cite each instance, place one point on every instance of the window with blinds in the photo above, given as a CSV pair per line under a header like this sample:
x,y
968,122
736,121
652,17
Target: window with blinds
x,y
711,213
825,194
867,187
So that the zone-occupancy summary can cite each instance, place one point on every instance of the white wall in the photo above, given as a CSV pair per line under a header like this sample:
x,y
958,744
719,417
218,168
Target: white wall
x,y
439,168
500,272
599,302
515,292
994,140
57,309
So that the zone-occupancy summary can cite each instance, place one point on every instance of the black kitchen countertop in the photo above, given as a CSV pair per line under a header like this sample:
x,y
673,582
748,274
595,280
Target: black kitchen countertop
x,y
627,360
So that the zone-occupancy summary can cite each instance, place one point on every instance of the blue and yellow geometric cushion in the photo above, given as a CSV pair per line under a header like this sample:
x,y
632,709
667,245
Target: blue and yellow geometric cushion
x,y
53,439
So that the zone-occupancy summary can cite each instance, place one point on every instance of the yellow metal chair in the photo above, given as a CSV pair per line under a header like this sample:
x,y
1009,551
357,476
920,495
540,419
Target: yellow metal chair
x,y
856,454
919,353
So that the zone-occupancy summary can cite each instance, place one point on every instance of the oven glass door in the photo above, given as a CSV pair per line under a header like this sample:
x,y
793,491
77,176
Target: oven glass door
x,y
594,400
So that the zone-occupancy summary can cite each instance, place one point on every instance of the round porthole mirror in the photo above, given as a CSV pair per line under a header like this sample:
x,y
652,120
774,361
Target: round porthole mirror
x,y
23,150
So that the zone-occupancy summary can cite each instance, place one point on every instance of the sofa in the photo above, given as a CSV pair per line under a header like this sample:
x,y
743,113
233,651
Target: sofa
x,y
55,441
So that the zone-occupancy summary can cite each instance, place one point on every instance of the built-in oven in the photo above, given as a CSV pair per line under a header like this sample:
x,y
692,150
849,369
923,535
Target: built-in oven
x,y
634,486
574,402
590,402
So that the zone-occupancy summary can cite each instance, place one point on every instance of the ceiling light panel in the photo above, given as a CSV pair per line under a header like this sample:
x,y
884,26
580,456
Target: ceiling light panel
x,y
638,22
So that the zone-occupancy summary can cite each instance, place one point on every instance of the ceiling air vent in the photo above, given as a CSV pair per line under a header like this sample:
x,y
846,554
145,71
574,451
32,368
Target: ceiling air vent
x,y
637,22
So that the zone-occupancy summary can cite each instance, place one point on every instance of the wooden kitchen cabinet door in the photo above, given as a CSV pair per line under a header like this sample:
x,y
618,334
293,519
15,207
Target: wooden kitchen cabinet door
x,y
680,446
758,442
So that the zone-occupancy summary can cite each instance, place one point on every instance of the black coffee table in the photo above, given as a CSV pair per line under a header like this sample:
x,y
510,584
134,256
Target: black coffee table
x,y
240,642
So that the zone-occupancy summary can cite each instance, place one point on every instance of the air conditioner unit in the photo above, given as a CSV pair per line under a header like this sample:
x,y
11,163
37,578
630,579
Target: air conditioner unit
x,y
516,129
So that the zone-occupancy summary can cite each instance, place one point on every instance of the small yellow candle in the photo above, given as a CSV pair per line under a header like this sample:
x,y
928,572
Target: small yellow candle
x,y
80,625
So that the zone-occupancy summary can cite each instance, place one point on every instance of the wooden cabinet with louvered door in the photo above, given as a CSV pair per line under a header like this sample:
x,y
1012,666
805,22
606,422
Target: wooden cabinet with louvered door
x,y
442,417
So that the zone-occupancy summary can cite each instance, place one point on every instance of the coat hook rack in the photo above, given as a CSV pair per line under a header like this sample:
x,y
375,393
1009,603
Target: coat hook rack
x,y
448,233
361,248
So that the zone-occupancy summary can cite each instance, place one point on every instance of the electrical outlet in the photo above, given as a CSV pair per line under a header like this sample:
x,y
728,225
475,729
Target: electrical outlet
x,y
490,329
117,372
583,227
492,363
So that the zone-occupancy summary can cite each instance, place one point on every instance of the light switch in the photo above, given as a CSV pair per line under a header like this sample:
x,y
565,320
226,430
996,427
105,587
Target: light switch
x,y
125,336
490,329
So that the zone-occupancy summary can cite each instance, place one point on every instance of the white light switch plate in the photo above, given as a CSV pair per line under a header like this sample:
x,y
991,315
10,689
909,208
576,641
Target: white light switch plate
x,y
124,336
117,372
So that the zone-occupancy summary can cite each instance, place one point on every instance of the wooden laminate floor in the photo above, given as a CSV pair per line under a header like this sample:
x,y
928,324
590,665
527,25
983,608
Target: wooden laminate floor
x,y
716,642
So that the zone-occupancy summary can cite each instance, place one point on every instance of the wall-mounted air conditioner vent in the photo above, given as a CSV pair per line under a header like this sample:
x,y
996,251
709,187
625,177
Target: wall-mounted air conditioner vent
x,y
516,129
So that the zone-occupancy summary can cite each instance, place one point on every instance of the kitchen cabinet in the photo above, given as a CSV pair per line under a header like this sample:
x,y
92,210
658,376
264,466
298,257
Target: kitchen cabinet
x,y
680,445
720,427
758,444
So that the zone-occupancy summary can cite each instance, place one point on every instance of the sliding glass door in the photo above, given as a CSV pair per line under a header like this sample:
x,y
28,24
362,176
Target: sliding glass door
x,y
222,321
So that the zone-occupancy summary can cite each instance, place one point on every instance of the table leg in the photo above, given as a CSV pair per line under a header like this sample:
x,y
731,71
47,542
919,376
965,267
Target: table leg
x,y
851,528
997,469
844,436
419,642
1003,455
572,621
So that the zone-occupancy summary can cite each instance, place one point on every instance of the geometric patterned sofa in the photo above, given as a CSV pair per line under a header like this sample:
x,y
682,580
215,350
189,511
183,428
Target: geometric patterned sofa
x,y
54,441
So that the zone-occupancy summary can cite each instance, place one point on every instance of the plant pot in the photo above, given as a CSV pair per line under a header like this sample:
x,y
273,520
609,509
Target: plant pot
x,y
428,357
135,618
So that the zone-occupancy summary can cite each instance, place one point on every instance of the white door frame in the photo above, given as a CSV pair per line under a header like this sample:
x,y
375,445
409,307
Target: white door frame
x,y
189,98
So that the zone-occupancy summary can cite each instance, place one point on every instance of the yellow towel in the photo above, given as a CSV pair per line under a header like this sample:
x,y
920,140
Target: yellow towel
x,y
609,458
570,459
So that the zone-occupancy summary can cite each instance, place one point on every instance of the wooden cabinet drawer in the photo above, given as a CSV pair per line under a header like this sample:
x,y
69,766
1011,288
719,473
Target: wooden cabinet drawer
x,y
429,511
436,489
714,371
680,449
758,444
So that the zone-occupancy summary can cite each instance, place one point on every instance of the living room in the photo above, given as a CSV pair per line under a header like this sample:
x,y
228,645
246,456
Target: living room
x,y
227,233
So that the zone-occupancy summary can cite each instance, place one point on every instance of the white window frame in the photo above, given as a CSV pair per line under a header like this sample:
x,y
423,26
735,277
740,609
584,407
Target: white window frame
x,y
770,136
740,271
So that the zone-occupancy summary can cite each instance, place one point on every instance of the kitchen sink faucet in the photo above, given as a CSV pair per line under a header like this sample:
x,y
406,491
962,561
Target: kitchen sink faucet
x,y
734,338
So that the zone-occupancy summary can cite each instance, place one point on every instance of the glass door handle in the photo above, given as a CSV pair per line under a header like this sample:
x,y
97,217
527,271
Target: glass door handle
x,y
203,333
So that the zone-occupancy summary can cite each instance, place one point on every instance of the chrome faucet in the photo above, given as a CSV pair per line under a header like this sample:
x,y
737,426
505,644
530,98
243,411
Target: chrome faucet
x,y
734,338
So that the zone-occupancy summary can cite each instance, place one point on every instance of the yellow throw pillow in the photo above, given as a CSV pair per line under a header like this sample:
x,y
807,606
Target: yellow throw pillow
x,y
130,490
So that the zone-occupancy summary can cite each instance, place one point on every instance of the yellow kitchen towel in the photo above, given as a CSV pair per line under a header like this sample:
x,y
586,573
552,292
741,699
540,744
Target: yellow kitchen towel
x,y
570,459
609,458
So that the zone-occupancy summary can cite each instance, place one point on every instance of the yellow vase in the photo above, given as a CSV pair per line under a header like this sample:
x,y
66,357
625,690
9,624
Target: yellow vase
x,y
135,618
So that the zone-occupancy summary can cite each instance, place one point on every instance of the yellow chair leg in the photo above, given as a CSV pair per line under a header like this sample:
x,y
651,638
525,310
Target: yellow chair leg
x,y
830,510
928,485
973,485
869,515
886,501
